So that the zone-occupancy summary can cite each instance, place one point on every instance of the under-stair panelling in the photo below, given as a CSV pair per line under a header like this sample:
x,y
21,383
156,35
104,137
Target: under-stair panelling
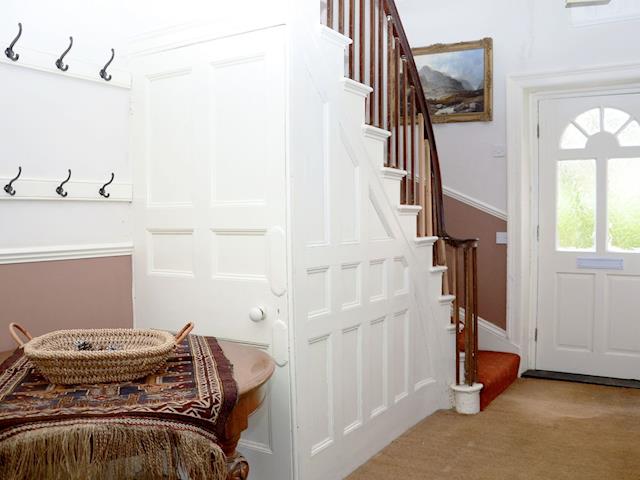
x,y
371,334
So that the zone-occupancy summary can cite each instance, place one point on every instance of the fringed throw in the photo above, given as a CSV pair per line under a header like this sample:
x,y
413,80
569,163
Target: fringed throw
x,y
161,427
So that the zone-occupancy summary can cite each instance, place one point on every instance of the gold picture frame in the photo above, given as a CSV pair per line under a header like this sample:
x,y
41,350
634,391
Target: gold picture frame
x,y
455,88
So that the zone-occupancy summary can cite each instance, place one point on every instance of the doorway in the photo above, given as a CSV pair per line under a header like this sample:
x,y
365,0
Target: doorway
x,y
588,300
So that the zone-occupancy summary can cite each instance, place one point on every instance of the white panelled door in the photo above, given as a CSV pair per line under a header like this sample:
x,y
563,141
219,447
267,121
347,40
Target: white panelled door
x,y
589,247
210,209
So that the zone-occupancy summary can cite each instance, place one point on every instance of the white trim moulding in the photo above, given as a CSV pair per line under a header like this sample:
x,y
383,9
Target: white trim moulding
x,y
64,252
475,203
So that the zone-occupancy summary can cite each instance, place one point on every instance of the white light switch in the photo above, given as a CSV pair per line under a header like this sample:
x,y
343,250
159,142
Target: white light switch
x,y
499,151
501,238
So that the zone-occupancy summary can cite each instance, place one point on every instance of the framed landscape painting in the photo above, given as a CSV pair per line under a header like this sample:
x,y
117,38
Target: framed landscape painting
x,y
457,80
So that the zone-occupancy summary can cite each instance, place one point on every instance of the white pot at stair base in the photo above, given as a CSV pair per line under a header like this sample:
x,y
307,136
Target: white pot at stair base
x,y
467,398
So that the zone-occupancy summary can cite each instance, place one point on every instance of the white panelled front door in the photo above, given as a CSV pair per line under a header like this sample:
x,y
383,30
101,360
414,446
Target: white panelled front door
x,y
210,209
589,247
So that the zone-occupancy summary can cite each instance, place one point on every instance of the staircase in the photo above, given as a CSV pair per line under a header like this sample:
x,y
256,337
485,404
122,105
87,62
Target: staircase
x,y
379,64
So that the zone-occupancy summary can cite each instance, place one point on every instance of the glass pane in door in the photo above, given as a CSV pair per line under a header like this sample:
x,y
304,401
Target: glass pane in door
x,y
623,204
576,205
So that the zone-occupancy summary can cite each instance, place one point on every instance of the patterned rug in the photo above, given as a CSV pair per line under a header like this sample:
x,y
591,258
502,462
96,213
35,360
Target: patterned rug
x,y
174,414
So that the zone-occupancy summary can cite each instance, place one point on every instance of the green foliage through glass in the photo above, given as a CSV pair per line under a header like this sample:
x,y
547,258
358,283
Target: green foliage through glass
x,y
623,203
576,210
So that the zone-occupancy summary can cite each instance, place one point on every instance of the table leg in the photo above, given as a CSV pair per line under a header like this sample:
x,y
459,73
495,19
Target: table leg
x,y
237,467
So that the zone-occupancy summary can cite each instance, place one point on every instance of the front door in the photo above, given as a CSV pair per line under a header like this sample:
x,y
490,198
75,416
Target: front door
x,y
210,209
589,236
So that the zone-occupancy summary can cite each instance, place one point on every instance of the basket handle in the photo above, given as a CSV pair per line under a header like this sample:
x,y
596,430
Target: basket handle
x,y
184,331
12,330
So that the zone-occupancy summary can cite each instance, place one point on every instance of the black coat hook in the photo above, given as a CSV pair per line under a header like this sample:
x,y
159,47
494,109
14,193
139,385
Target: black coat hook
x,y
102,191
60,63
9,186
9,51
60,191
103,72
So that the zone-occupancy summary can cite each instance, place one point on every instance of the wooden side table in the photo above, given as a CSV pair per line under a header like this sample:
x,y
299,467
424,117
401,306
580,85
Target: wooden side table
x,y
252,368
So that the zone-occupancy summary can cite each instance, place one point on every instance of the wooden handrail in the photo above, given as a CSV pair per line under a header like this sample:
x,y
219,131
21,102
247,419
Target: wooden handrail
x,y
383,58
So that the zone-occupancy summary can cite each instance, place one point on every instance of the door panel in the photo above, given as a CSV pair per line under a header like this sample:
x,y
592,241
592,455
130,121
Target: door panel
x,y
210,209
589,245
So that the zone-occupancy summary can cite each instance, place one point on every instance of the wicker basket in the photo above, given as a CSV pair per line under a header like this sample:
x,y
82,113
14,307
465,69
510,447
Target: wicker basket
x,y
116,355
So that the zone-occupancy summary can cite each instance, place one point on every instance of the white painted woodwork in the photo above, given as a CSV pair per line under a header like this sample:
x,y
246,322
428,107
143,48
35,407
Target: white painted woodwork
x,y
210,208
66,252
373,355
588,318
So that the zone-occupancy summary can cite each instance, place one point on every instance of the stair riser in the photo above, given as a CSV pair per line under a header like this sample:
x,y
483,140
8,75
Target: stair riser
x,y
375,149
354,107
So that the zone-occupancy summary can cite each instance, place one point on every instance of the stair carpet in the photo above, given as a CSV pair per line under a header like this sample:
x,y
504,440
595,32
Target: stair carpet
x,y
496,371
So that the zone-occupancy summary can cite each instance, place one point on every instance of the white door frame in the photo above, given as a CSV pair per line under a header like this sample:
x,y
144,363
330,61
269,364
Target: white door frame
x,y
523,93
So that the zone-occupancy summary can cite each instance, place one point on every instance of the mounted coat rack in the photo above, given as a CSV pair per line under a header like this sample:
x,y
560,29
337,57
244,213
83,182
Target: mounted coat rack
x,y
53,62
11,55
9,186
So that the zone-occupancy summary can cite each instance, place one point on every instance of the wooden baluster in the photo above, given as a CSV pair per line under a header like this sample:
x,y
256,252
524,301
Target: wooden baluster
x,y
442,260
429,191
406,181
412,137
468,317
381,17
391,94
396,103
456,308
474,281
362,46
422,215
341,16
372,63
330,13
352,31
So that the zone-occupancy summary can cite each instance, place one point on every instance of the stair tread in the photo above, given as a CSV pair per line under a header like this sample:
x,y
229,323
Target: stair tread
x,y
496,371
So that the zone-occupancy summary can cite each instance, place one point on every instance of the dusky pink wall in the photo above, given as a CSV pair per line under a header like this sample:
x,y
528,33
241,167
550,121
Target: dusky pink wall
x,y
465,221
53,295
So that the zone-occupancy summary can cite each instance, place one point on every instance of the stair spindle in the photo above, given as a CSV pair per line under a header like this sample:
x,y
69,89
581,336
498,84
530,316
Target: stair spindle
x,y
381,18
352,29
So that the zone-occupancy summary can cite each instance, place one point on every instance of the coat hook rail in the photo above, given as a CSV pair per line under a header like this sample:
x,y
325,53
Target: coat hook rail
x,y
60,191
60,62
9,186
103,73
102,190
11,55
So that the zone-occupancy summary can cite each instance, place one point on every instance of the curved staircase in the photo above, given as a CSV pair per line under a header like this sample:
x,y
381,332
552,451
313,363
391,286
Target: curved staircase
x,y
379,59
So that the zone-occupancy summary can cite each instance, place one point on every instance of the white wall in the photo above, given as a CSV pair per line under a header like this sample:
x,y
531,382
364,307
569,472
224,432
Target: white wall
x,y
52,122
529,36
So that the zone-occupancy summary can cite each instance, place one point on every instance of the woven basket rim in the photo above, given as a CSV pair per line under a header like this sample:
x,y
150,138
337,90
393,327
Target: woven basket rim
x,y
32,348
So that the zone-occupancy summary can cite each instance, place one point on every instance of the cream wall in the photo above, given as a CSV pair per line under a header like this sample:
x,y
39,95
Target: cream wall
x,y
529,36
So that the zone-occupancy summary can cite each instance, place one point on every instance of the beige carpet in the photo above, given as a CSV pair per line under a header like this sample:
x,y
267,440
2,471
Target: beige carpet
x,y
537,429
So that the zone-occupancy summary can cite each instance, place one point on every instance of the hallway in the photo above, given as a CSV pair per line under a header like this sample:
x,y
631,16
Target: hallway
x,y
537,429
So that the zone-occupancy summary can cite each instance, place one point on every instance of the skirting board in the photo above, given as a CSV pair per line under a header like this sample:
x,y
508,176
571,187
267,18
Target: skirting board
x,y
64,252
492,337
